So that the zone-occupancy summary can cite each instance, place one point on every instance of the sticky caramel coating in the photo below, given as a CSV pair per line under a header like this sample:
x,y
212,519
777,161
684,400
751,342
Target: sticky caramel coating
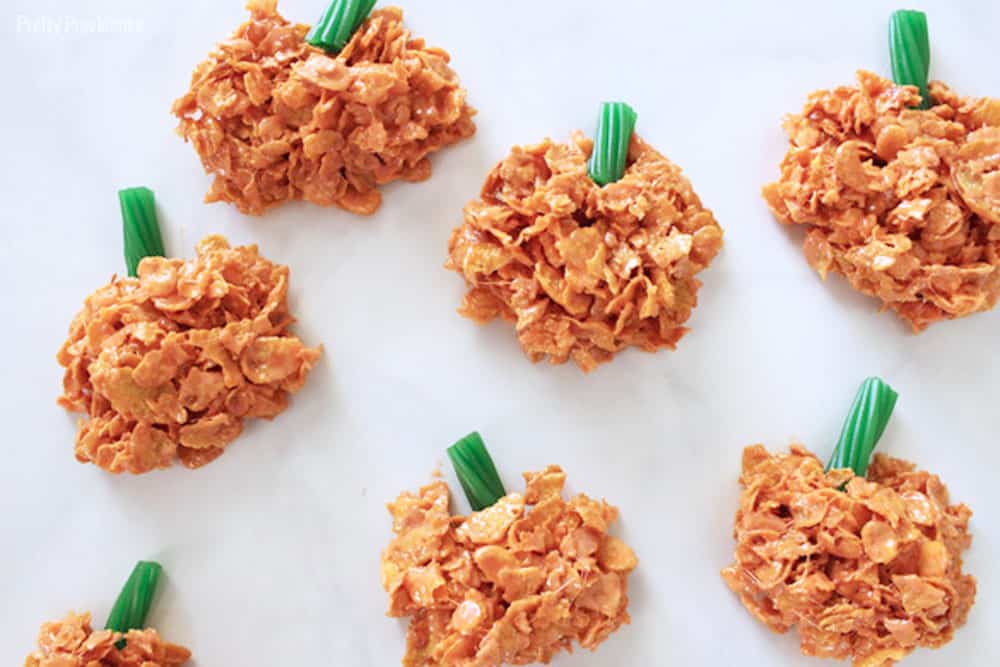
x,y
275,119
903,202
867,573
170,364
584,271
71,642
505,585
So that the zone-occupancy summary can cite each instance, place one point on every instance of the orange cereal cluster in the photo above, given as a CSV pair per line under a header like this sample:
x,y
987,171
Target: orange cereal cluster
x,y
905,203
169,365
71,642
275,119
584,271
505,585
868,573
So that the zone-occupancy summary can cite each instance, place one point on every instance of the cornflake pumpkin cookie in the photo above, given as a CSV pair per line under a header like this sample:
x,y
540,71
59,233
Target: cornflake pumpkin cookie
x,y
168,365
72,642
274,118
902,201
867,566
585,270
515,583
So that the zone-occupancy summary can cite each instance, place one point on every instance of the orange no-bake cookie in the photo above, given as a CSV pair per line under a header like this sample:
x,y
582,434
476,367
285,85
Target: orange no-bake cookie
x,y
584,271
870,572
71,642
169,365
275,119
905,203
505,585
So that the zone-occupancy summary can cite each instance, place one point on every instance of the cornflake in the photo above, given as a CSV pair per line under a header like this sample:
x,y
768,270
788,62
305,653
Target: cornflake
x,y
904,203
169,365
275,119
505,585
868,573
584,271
71,642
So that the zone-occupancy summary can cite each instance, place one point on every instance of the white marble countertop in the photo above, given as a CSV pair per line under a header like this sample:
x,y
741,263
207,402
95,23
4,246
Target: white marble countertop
x,y
272,551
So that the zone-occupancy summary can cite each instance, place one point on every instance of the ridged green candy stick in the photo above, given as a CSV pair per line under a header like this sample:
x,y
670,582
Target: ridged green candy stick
x,y
864,426
476,472
338,24
910,51
140,226
133,603
614,134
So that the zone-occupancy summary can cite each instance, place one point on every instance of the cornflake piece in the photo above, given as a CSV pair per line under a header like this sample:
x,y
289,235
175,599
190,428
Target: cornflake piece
x,y
869,573
169,364
505,585
275,119
584,271
71,642
904,203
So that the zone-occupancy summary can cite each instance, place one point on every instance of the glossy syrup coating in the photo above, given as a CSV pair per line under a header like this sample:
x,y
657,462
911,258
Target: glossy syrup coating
x,y
170,364
869,572
72,642
584,271
903,202
275,119
514,584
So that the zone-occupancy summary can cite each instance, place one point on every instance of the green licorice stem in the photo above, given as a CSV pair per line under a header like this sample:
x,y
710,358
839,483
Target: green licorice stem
x,y
132,605
141,228
611,142
476,472
910,51
864,426
338,24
